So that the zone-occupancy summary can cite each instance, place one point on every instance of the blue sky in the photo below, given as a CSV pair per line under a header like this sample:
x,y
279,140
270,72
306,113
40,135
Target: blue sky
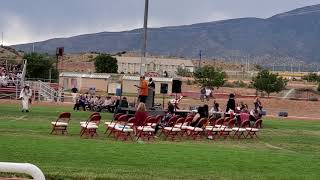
x,y
24,21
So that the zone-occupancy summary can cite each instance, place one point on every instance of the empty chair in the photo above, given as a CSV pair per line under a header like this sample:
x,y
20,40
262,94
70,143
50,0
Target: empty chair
x,y
252,131
121,120
124,130
146,131
174,130
240,131
199,129
90,127
61,124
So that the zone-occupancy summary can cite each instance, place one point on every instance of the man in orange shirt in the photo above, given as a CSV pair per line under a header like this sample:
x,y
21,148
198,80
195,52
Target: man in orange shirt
x,y
143,94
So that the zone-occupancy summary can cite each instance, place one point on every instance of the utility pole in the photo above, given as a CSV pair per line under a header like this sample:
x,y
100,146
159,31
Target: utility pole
x,y
144,49
200,56
1,39
273,67
33,47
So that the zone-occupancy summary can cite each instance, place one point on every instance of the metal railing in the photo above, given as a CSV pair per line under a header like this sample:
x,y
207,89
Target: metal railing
x,y
47,92
24,168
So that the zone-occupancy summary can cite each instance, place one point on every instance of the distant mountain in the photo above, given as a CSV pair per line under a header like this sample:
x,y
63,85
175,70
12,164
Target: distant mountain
x,y
290,36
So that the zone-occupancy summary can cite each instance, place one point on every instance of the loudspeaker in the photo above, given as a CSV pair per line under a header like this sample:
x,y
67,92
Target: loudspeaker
x,y
60,51
283,114
176,86
164,88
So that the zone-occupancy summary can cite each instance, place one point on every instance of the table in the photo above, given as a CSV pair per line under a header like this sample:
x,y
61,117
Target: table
x,y
131,111
182,113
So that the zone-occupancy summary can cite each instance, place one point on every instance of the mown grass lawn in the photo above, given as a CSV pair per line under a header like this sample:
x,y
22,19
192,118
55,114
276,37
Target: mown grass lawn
x,y
287,149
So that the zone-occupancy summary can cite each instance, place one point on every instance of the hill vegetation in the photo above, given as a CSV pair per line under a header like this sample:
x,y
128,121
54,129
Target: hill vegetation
x,y
290,36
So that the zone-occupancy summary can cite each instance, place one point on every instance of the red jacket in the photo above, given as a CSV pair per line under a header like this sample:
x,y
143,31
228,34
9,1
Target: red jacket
x,y
140,116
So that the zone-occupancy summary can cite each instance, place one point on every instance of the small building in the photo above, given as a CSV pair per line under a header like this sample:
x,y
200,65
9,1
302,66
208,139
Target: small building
x,y
128,83
131,65
84,81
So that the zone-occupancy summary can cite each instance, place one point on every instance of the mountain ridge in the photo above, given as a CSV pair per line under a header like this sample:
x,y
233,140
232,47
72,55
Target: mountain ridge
x,y
286,36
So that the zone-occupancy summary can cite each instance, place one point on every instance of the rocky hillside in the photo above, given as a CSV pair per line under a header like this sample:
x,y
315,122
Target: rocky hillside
x,y
290,36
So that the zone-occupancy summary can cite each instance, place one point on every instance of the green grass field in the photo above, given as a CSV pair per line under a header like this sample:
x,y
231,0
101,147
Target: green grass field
x,y
287,149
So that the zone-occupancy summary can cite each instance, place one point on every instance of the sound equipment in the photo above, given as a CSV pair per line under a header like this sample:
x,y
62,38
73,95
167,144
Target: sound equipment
x,y
283,114
176,86
164,88
60,51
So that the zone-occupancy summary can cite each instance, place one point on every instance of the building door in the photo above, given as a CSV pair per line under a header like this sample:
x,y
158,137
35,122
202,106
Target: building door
x,y
74,83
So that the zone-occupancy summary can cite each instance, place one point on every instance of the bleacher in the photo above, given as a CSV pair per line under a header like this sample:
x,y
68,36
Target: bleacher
x,y
11,76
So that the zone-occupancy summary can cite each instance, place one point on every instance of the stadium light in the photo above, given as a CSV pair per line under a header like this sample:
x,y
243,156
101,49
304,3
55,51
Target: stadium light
x,y
144,48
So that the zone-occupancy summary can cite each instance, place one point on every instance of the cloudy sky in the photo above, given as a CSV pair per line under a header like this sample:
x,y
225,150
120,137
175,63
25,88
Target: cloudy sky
x,y
24,21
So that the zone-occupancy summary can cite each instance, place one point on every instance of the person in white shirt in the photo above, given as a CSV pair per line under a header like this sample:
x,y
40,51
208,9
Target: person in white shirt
x,y
25,96
208,93
108,101
216,110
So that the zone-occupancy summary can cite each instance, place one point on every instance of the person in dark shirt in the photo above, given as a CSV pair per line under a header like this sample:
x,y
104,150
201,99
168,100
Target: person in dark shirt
x,y
74,90
153,86
124,103
200,114
231,105
166,118
206,110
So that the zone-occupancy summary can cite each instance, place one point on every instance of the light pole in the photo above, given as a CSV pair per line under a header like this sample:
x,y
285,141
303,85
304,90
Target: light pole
x,y
200,56
144,48
1,39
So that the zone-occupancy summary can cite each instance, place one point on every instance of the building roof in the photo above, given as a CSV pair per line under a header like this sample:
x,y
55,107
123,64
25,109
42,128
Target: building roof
x,y
85,75
161,61
137,78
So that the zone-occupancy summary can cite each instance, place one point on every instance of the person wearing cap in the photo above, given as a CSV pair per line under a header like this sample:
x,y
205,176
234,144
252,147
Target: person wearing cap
x,y
25,96
143,89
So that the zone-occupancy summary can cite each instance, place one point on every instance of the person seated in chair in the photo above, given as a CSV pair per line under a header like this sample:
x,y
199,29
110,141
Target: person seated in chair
x,y
80,102
254,115
166,118
141,114
200,114
119,104
108,103
215,110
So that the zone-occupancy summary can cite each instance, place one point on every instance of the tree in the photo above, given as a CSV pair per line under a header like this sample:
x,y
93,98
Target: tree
x,y
104,63
210,76
268,82
183,72
40,65
312,77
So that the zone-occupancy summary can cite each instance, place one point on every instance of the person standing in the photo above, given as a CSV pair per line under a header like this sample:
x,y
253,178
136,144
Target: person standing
x,y
143,89
74,93
152,85
257,103
208,93
25,96
231,105
202,93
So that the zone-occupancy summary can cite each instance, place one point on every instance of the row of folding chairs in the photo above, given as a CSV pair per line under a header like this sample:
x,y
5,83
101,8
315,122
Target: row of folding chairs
x,y
88,128
124,128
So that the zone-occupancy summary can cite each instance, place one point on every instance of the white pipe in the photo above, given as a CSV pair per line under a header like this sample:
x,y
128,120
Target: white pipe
x,y
24,168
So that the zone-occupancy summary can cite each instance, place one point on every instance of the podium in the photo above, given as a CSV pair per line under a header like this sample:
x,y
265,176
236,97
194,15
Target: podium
x,y
150,98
